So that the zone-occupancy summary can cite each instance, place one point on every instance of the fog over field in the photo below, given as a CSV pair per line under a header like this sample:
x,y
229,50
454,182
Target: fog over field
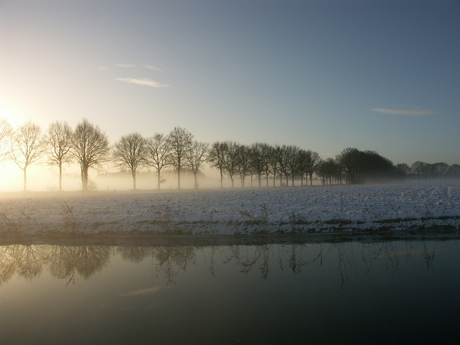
x,y
41,179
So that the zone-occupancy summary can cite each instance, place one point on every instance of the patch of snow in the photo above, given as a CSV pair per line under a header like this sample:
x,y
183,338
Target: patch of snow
x,y
229,212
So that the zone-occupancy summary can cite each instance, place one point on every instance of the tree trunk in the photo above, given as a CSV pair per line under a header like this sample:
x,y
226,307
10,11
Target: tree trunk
x,y
133,173
196,181
25,178
84,178
60,177
178,177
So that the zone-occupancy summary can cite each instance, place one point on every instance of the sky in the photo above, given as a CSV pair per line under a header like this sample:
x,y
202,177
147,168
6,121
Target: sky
x,y
322,75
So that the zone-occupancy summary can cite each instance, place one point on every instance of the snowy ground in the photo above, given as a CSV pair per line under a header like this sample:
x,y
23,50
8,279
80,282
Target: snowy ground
x,y
229,212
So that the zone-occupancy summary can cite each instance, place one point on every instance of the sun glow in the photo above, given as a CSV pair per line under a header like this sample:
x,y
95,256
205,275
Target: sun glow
x,y
14,118
40,178
10,177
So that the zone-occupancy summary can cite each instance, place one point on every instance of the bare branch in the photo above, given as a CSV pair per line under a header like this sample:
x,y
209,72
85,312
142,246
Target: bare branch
x,y
5,136
195,158
130,153
180,141
158,154
90,147
27,147
59,142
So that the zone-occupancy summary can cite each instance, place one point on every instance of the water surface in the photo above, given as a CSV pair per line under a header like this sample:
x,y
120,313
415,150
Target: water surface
x,y
352,292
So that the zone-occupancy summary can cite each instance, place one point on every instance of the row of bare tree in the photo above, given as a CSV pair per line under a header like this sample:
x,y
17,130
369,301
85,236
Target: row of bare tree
x,y
355,166
26,145
89,147
263,161
422,170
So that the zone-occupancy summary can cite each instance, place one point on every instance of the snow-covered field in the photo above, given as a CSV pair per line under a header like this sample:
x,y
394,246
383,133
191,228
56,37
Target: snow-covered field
x,y
229,212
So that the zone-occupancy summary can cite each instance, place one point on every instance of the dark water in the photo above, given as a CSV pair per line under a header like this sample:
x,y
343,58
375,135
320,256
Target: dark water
x,y
356,292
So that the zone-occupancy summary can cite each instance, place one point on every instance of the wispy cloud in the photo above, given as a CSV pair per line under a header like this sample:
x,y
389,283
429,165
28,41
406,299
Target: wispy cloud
x,y
143,81
141,291
102,68
407,112
153,68
127,65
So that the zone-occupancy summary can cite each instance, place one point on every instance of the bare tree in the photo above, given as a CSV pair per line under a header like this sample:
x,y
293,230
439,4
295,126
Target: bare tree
x,y
130,153
27,147
311,160
195,158
359,166
5,136
351,162
328,170
90,147
440,169
216,158
302,156
180,141
274,158
231,160
453,171
288,162
244,162
292,153
265,151
258,160
403,169
419,169
158,152
59,142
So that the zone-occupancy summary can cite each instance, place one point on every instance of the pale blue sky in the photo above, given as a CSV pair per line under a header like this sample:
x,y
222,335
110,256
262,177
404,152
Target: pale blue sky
x,y
323,75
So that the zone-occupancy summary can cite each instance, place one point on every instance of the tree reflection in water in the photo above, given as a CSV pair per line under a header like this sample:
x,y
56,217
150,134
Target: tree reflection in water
x,y
134,254
64,262
168,257
8,263
26,261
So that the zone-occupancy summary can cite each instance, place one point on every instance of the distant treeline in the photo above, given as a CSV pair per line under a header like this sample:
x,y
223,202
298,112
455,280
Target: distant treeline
x,y
270,165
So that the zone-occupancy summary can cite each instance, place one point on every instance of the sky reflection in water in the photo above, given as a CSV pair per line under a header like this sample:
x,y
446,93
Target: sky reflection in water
x,y
397,292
